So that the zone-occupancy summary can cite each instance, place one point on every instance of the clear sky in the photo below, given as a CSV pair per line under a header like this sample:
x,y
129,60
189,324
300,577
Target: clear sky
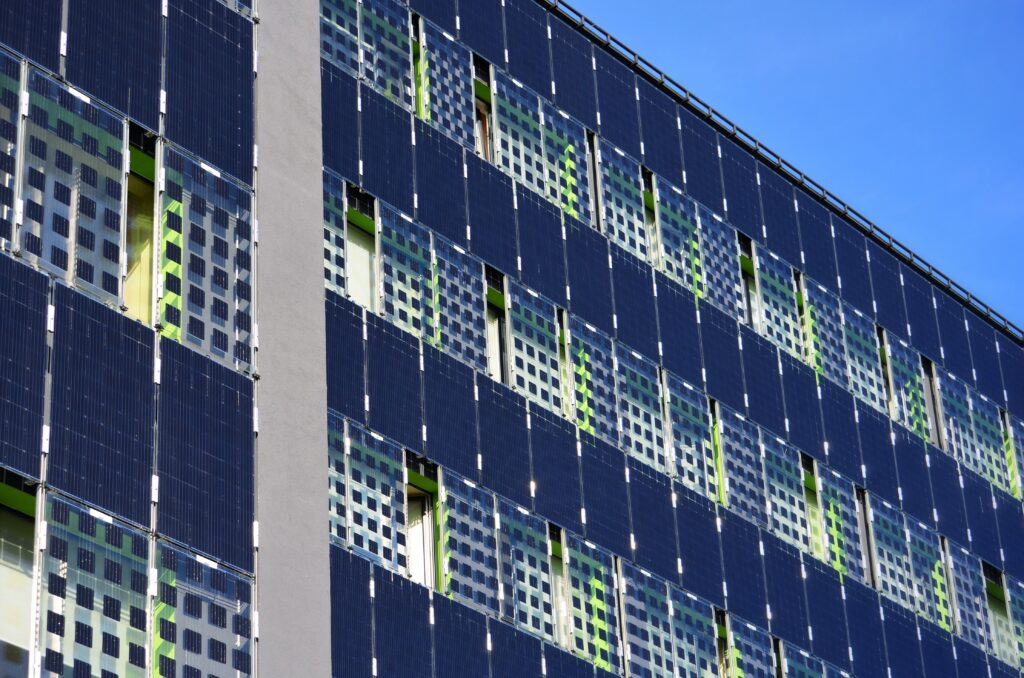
x,y
911,111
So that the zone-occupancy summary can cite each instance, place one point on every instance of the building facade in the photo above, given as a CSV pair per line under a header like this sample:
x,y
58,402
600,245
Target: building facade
x,y
450,338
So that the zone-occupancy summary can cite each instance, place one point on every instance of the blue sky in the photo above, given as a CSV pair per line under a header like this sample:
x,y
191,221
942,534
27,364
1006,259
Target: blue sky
x,y
910,111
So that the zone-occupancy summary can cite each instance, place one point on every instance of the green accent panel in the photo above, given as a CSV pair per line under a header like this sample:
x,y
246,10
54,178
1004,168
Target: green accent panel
x,y
360,220
556,548
495,298
142,163
941,587
422,483
482,90
162,610
716,439
836,542
746,264
16,499
170,299
1011,463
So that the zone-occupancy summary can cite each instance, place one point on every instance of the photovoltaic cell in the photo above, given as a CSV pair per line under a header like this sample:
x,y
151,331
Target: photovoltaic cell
x,y
541,246
469,543
567,173
636,311
797,663
73,189
407,279
787,507
395,402
702,160
818,253
387,48
457,296
588,266
641,424
206,261
337,477
491,216
692,446
335,220
680,255
449,68
339,34
892,556
206,458
518,131
720,265
593,591
780,221
694,634
526,598
824,328
535,347
908,397
854,271
647,623
654,530
340,111
94,594
573,71
592,356
386,156
973,623
449,412
932,593
743,465
351,615
843,550
529,59
861,340
750,650
440,184
102,411
622,200
199,606
742,198
778,303
616,95
988,456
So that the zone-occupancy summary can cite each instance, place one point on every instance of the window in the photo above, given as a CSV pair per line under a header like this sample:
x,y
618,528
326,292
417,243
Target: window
x,y
483,106
864,529
933,403
593,161
17,541
361,246
420,77
886,372
497,326
751,313
1003,638
422,522
138,285
812,499
560,589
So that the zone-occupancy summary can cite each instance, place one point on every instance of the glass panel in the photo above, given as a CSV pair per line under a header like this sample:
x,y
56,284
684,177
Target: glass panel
x,y
861,341
208,611
956,414
519,143
406,271
787,508
750,650
647,622
339,33
387,49
565,145
337,477
892,555
908,387
842,533
592,355
1013,445
696,639
469,542
72,188
823,323
691,437
1015,603
989,455
931,589
535,366
459,304
799,664
680,240
744,472
207,247
10,92
334,233
449,84
375,500
641,425
971,605
778,303
592,590
93,603
622,200
721,264
525,570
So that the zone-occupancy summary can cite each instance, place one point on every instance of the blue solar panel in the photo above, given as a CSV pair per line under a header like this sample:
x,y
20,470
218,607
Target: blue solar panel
x,y
529,60
339,92
556,470
867,642
491,216
573,73
802,408
589,276
970,661
937,650
351,616
460,640
650,496
210,82
393,382
101,442
441,12
1011,363
23,301
854,272
901,635
816,241
346,379
837,407
913,472
616,99
763,381
514,654
877,454
449,412
481,29
504,442
604,495
659,126
401,619
739,175
386,153
885,280
952,519
985,358
701,162
33,28
981,517
112,53
541,248
924,327
699,544
996,666
206,456
785,588
956,346
827,615
744,569
780,225
563,665
722,363
635,309
680,338
440,186
1011,533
